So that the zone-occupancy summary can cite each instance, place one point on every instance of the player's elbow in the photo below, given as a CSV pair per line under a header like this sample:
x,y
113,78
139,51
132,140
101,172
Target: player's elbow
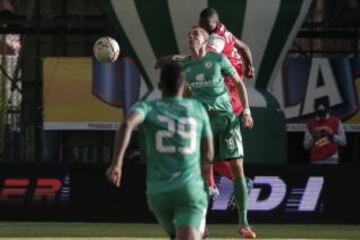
x,y
246,48
207,151
126,126
239,85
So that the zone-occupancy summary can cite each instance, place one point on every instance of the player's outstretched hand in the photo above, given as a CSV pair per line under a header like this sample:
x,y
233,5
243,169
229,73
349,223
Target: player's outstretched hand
x,y
113,174
249,72
248,121
162,61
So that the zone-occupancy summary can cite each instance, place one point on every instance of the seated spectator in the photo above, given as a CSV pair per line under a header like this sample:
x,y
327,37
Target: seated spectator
x,y
323,136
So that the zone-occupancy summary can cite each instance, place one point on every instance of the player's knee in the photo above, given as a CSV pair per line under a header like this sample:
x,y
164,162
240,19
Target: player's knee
x,y
237,168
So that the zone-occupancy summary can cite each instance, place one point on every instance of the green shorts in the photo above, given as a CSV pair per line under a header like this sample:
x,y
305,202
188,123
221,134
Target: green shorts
x,y
181,208
227,136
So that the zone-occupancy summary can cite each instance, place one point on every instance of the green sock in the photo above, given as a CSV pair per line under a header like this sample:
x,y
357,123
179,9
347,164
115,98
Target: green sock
x,y
241,197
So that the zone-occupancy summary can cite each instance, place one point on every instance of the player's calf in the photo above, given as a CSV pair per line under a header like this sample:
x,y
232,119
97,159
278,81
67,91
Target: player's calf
x,y
231,203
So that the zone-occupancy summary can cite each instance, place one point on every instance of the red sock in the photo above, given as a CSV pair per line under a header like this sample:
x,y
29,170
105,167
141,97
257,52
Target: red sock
x,y
223,169
212,180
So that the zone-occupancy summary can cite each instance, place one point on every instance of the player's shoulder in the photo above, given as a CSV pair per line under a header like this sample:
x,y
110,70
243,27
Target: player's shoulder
x,y
221,29
188,103
192,101
215,55
216,39
216,42
150,103
141,104
198,107
141,107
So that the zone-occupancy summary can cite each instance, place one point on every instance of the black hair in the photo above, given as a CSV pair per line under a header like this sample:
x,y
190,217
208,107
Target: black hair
x,y
208,12
324,101
171,77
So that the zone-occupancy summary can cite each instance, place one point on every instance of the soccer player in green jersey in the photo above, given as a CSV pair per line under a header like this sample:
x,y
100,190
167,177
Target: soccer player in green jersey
x,y
175,130
204,74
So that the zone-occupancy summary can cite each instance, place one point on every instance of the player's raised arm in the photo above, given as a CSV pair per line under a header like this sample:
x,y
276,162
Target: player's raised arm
x,y
207,146
207,157
113,173
240,86
245,53
162,61
243,95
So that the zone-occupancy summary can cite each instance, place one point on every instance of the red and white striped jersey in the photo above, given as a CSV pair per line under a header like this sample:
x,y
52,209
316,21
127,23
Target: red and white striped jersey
x,y
223,41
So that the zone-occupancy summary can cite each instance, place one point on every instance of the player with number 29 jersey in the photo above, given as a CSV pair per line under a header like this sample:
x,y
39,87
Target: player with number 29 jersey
x,y
172,131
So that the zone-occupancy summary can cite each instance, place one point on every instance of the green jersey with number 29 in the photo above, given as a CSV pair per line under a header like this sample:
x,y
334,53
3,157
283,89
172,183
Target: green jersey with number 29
x,y
171,134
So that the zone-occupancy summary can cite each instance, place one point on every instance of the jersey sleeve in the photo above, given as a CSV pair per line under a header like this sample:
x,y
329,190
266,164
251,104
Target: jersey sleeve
x,y
216,43
142,108
206,130
226,66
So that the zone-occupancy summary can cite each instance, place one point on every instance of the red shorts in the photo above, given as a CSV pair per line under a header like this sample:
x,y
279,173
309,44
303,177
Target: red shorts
x,y
223,169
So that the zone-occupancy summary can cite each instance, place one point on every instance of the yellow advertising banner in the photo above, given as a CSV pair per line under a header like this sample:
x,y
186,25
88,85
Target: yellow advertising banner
x,y
68,100
354,121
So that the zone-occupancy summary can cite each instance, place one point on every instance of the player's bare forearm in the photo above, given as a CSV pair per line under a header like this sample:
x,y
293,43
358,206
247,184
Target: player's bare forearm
x,y
243,95
245,52
123,140
207,157
124,135
113,173
208,149
246,55
205,171
162,61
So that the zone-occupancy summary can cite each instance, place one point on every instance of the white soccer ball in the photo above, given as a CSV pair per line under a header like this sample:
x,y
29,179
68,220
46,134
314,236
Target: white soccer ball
x,y
106,49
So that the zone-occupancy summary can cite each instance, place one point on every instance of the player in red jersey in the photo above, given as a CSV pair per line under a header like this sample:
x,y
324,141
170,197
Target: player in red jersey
x,y
223,41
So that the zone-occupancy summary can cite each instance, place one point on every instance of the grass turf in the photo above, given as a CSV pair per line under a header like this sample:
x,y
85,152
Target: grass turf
x,y
42,230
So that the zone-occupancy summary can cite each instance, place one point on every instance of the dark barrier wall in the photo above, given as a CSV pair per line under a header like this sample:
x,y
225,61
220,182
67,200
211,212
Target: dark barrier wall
x,y
281,194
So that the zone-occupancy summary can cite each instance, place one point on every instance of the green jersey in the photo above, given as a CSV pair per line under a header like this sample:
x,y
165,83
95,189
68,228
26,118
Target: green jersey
x,y
206,80
171,134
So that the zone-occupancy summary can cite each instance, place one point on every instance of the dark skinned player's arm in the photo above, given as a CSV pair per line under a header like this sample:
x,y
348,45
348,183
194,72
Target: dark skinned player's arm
x,y
121,143
207,154
246,55
162,61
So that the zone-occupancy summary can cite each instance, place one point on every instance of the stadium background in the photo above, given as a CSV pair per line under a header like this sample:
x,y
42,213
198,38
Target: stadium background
x,y
58,117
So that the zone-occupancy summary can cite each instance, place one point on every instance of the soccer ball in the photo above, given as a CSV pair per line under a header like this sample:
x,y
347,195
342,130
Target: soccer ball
x,y
106,49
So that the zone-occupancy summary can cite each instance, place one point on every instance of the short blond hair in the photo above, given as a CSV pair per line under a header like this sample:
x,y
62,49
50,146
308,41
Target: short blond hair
x,y
203,31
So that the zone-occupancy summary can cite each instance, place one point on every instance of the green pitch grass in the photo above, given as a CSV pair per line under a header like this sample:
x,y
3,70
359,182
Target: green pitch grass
x,y
104,231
